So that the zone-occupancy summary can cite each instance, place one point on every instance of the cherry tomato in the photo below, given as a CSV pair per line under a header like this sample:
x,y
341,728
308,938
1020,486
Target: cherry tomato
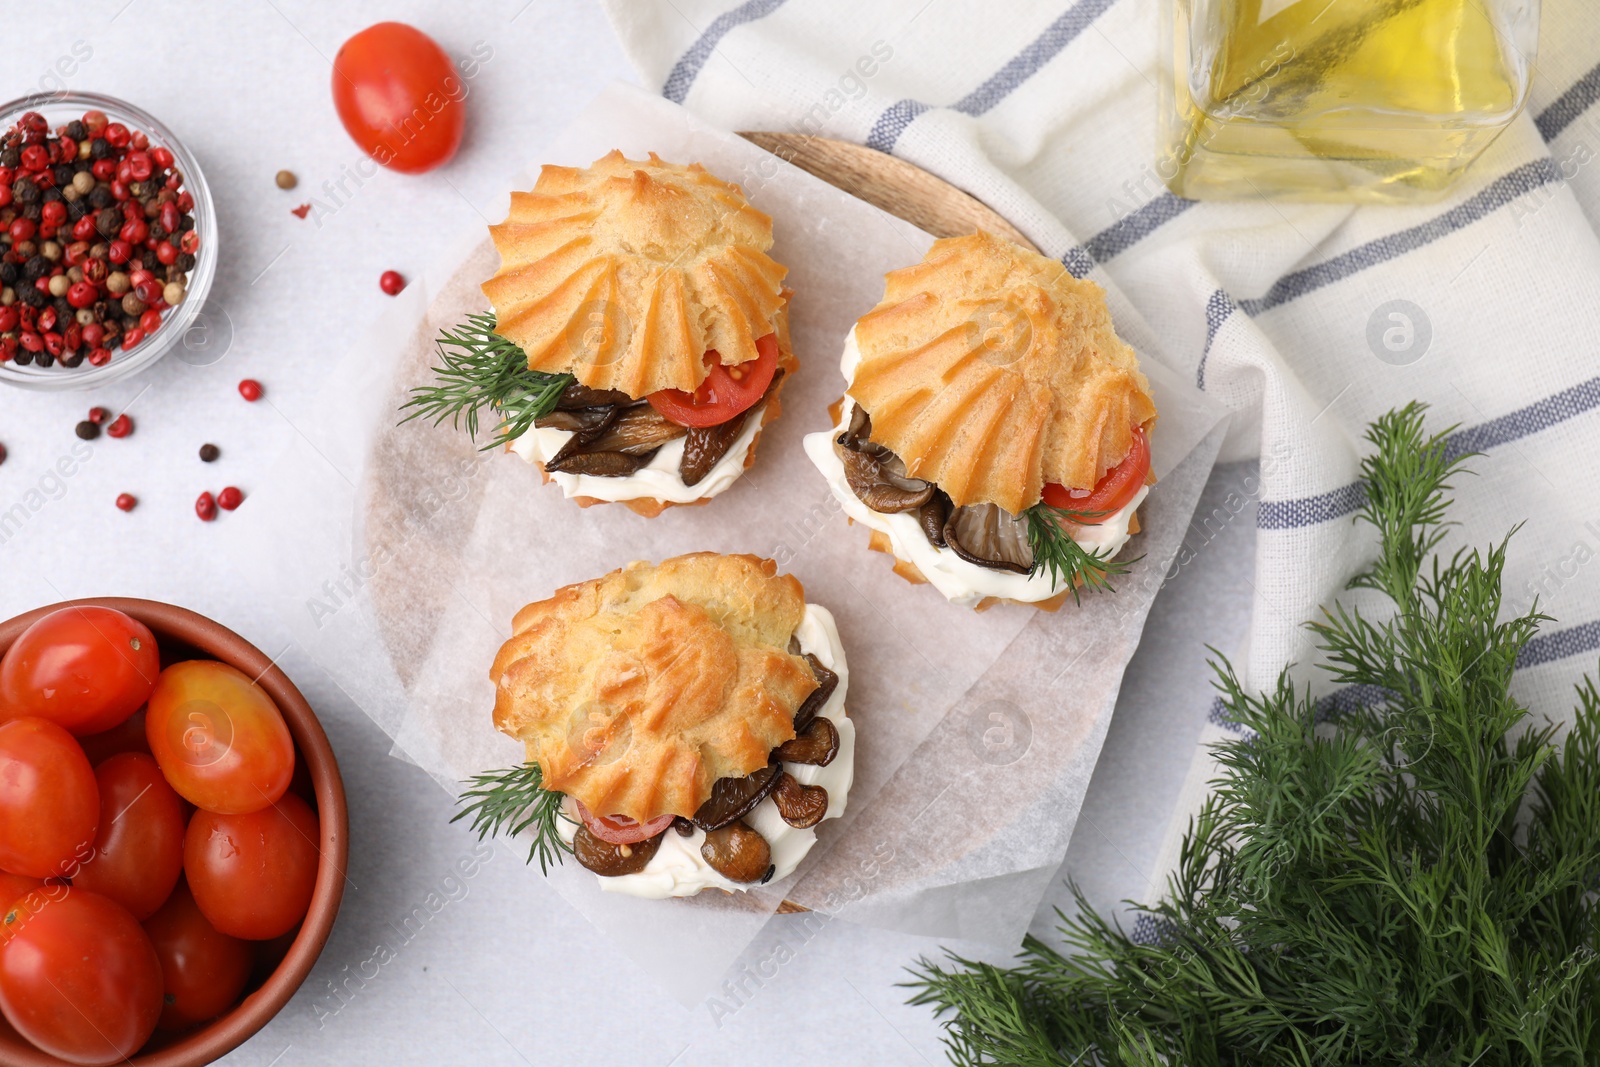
x,y
86,668
219,738
1112,493
79,978
49,803
399,97
138,852
725,392
203,969
619,829
253,874
128,737
13,887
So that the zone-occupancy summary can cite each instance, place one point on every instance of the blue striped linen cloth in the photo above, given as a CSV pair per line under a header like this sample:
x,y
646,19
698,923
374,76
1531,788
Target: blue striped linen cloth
x,y
1048,113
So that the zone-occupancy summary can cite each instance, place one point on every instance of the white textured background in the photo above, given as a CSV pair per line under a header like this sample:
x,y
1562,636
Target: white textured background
x,y
498,975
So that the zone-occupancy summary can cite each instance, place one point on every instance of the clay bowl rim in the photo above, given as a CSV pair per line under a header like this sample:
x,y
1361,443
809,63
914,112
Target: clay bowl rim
x,y
232,1029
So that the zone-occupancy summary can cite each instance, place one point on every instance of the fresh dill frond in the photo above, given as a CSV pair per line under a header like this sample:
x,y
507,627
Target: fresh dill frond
x,y
481,371
1057,554
1410,882
513,800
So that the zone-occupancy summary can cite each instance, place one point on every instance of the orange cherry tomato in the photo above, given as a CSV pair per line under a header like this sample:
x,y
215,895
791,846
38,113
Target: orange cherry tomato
x,y
725,392
252,875
220,740
399,97
49,803
85,668
1113,492
138,851
203,970
79,977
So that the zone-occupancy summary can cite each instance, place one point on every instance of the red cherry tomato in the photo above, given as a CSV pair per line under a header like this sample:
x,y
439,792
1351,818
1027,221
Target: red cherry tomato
x,y
128,737
725,392
79,978
86,668
49,803
1112,493
219,738
253,874
13,887
138,851
203,970
619,829
399,97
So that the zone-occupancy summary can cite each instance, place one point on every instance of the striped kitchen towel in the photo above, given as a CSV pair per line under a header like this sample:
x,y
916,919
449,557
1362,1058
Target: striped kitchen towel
x,y
1048,113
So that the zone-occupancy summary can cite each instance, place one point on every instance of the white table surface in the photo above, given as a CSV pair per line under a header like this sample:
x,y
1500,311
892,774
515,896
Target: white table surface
x,y
504,972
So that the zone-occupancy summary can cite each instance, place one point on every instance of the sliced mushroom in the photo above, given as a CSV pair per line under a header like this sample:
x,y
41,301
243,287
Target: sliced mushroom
x,y
816,745
612,861
705,446
738,853
801,806
585,422
733,798
933,515
859,430
827,682
599,464
990,536
880,482
581,396
638,431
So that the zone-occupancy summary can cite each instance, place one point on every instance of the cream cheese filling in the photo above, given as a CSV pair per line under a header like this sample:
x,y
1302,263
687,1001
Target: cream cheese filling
x,y
678,870
958,580
656,480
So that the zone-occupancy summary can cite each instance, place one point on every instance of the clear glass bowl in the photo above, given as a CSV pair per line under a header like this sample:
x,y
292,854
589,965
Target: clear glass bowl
x,y
59,109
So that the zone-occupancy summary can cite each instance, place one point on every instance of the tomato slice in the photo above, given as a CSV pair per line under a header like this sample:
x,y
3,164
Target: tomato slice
x,y
619,829
725,393
1113,492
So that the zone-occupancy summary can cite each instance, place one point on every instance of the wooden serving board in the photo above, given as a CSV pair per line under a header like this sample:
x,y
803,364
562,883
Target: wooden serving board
x,y
903,189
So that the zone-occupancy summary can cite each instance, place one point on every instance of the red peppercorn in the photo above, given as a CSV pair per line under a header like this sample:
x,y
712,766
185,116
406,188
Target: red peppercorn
x,y
166,253
150,321
135,231
140,140
169,217
127,501
190,241
139,165
66,150
92,334
34,157
250,389
46,319
117,135
54,343
100,357
230,498
34,343
205,506
162,157
103,169
8,319
185,204
33,122
53,213
5,194
148,290
132,338
97,415
82,294
391,282
8,348
22,229
120,251
119,189
121,426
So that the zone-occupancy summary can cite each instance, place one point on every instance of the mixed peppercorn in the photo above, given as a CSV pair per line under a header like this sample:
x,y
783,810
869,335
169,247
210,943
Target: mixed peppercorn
x,y
97,239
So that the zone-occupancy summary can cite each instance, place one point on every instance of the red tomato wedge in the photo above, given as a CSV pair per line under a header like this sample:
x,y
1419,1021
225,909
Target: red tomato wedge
x,y
1112,493
725,392
619,829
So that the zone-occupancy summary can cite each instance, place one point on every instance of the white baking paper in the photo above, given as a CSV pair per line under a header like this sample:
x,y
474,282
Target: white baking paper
x,y
398,556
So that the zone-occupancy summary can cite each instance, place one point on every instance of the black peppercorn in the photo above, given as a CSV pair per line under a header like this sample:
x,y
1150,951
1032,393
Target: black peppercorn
x,y
23,191
11,157
37,267
186,224
100,198
23,357
64,174
87,430
72,359
157,230
33,211
100,148
44,359
31,296
75,130
185,261
8,272
109,223
209,453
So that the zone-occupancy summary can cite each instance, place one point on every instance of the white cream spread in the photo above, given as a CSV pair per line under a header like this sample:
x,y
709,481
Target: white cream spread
x,y
961,582
678,870
658,479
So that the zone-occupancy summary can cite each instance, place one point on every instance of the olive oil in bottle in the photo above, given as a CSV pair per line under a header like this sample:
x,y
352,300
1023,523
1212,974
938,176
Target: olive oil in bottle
x,y
1374,100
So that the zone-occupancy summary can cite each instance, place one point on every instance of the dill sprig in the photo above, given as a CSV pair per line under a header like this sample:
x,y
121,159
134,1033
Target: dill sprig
x,y
514,800
481,371
1411,882
1055,552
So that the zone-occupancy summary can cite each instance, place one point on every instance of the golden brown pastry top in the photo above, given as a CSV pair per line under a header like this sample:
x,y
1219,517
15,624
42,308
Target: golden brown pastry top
x,y
636,691
626,273
991,370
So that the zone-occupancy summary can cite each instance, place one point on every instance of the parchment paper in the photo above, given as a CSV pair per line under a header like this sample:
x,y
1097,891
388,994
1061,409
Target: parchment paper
x,y
398,556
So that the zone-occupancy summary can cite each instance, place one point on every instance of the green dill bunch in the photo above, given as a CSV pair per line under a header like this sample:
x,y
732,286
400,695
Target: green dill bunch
x,y
1411,881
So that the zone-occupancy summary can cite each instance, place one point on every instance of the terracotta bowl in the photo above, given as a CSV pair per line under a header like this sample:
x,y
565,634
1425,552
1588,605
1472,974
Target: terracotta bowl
x,y
184,635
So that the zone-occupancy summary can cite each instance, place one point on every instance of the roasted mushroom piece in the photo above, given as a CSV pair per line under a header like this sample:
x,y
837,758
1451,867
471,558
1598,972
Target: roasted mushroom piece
x,y
704,447
577,396
612,861
620,447
738,853
816,745
827,682
734,798
599,464
585,422
990,536
801,806
876,475
933,515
